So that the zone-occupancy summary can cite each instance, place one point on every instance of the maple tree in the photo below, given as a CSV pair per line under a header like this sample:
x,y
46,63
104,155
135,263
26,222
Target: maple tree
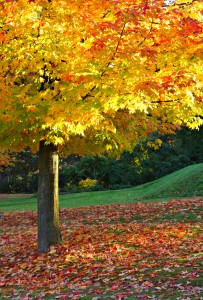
x,y
84,76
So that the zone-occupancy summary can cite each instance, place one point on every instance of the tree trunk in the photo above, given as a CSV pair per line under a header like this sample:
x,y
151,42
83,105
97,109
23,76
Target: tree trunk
x,y
48,198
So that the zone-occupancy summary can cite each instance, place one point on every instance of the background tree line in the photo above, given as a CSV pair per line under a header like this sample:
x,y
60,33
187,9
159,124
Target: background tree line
x,y
150,160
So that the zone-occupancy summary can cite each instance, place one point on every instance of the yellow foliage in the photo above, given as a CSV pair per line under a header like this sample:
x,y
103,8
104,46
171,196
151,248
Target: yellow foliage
x,y
91,76
87,183
155,144
6,159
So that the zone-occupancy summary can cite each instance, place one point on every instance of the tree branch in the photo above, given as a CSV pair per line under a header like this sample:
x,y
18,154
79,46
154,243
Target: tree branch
x,y
108,64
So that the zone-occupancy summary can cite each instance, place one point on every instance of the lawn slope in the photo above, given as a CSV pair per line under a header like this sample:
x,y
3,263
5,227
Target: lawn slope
x,y
187,182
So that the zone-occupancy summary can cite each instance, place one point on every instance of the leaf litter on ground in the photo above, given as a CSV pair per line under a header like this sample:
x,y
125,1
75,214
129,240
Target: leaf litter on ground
x,y
126,251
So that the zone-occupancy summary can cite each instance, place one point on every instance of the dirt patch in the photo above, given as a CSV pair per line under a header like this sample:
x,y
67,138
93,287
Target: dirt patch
x,y
10,196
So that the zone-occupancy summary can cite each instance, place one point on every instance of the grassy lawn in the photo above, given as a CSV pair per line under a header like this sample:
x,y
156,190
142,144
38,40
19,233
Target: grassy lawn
x,y
184,183
140,247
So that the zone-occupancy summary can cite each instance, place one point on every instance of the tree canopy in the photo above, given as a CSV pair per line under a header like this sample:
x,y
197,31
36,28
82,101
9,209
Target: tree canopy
x,y
91,76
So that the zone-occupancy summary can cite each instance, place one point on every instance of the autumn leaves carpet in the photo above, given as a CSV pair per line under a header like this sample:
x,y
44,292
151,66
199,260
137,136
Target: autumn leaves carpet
x,y
134,251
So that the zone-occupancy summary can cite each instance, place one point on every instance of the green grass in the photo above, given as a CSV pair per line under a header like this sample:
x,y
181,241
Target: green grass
x,y
187,182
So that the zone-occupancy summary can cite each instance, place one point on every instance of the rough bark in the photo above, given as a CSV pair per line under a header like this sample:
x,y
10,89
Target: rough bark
x,y
48,198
